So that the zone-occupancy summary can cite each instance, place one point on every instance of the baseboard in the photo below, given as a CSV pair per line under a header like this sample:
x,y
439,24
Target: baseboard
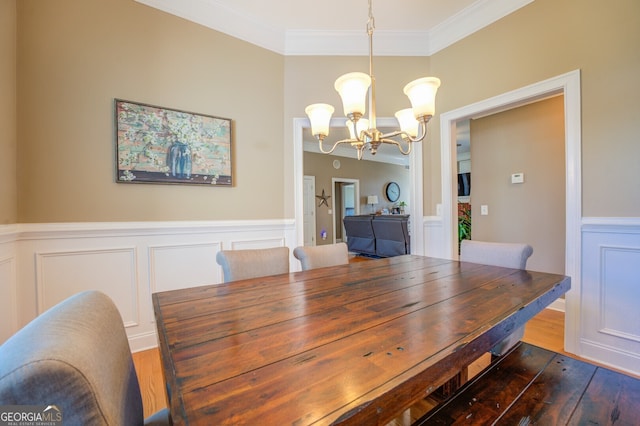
x,y
558,305
143,341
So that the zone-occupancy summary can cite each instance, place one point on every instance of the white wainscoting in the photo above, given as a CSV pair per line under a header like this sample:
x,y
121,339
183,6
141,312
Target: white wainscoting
x,y
43,264
609,299
8,282
433,232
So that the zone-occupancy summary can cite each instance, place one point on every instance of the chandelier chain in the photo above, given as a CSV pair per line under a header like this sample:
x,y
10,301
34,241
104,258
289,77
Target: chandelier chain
x,y
371,23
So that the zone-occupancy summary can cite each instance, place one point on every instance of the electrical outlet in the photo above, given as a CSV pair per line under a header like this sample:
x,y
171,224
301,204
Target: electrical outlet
x,y
484,210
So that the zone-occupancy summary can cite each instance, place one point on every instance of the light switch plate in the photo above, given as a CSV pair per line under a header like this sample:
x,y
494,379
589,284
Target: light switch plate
x,y
517,178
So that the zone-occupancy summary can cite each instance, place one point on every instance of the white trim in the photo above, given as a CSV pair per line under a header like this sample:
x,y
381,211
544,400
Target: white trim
x,y
313,224
220,17
558,305
247,26
40,231
569,85
608,224
479,15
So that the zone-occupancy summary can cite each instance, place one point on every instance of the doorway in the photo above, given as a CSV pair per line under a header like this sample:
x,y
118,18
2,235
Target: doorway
x,y
568,85
345,196
518,160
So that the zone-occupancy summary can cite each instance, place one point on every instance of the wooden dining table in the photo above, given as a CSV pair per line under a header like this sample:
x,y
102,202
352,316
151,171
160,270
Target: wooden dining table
x,y
350,344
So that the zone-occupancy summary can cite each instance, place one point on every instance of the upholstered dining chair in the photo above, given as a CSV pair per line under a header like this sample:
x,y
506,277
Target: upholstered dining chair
x,y
507,255
312,257
76,357
253,263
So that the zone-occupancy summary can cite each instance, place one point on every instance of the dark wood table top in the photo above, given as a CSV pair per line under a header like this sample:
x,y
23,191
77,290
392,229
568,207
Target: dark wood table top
x,y
351,344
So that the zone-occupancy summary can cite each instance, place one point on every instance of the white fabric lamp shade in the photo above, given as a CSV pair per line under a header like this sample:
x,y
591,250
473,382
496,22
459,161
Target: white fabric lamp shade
x,y
408,122
422,94
372,199
353,88
320,117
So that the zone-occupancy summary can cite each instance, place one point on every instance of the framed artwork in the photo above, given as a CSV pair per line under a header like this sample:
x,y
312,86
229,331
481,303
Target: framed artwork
x,y
163,145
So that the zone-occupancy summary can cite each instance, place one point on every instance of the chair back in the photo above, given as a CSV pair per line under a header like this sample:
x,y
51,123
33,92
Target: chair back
x,y
507,255
253,263
75,356
312,257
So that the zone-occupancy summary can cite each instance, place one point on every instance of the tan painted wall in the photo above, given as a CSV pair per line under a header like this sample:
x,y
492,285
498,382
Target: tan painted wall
x,y
549,38
8,139
75,57
373,178
528,140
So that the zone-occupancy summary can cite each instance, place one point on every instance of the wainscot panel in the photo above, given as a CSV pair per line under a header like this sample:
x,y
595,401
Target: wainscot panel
x,y
433,237
8,281
610,292
42,264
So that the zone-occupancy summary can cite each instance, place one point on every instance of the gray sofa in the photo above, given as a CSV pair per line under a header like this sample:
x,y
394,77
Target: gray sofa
x,y
380,236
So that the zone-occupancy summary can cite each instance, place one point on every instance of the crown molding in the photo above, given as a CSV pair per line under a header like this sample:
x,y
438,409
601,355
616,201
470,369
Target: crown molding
x,y
474,18
217,16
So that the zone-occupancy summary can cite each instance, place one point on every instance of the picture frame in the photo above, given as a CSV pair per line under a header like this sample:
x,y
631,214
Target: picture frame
x,y
169,146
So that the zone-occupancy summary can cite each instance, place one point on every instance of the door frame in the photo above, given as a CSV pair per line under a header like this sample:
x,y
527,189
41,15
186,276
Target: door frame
x,y
335,180
569,86
312,179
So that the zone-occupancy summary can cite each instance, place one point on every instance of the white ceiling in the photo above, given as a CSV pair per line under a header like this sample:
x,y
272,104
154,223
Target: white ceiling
x,y
338,27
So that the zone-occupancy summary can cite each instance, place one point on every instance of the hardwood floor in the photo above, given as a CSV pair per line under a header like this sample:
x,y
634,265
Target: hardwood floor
x,y
545,330
152,388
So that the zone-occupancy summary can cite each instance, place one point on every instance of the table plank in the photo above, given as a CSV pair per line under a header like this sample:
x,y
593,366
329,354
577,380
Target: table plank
x,y
535,386
354,343
612,398
552,396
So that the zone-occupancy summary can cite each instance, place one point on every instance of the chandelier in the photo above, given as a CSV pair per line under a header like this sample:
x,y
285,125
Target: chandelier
x,y
354,90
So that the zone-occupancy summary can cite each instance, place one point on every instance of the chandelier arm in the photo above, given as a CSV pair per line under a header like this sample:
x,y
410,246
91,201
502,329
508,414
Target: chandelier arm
x,y
335,145
421,134
399,145
404,136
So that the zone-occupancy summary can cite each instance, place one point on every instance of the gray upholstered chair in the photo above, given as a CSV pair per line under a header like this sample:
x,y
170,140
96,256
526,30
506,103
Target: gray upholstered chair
x,y
312,257
253,263
76,356
508,255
